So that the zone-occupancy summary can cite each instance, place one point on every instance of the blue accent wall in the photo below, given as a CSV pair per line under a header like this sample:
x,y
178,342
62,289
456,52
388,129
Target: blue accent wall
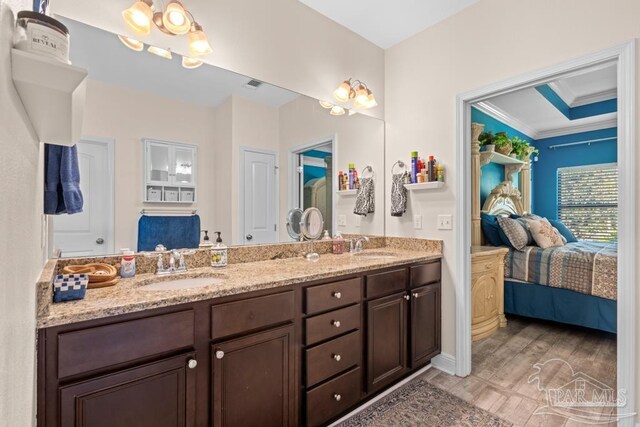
x,y
493,174
311,172
545,182
580,112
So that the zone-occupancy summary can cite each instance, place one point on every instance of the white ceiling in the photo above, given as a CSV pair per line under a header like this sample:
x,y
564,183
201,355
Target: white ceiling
x,y
108,60
529,112
387,22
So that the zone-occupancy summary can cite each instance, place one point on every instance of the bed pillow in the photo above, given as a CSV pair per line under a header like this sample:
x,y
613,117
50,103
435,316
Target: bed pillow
x,y
515,232
545,234
490,228
559,225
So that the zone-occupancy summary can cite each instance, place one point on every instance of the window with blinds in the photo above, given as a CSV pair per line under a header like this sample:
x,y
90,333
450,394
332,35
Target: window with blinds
x,y
588,201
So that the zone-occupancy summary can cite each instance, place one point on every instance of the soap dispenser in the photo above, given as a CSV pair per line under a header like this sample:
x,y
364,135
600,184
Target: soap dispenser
x,y
218,253
206,242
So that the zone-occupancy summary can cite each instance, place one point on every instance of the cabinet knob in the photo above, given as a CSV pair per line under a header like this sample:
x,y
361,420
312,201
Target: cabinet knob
x,y
415,295
192,363
337,295
337,397
336,323
219,354
337,357
407,297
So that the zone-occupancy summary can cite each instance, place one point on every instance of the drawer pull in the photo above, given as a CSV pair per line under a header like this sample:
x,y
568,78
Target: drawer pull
x,y
336,323
219,354
192,363
337,295
337,397
407,297
415,295
337,357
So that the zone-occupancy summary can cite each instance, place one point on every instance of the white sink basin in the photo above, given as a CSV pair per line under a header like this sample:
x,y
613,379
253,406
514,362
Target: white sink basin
x,y
179,284
377,255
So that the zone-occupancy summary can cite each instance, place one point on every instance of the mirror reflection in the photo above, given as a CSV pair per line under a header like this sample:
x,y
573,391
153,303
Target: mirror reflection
x,y
231,153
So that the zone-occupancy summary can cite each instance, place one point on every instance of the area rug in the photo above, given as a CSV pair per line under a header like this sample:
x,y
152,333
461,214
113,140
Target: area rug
x,y
422,404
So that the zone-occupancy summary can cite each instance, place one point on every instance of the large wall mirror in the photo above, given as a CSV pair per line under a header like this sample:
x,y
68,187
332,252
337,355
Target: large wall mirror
x,y
238,152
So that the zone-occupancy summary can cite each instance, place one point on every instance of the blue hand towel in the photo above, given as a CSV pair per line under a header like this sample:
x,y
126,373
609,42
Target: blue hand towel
x,y
174,232
61,180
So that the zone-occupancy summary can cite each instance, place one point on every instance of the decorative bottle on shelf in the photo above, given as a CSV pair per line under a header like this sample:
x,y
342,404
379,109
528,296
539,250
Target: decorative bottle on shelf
x,y
218,253
127,263
352,169
414,167
340,181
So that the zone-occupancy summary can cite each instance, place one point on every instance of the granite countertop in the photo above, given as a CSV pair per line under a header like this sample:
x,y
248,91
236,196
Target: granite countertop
x,y
129,295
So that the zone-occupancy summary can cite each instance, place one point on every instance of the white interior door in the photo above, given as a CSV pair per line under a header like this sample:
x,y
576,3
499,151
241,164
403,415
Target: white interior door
x,y
260,198
89,233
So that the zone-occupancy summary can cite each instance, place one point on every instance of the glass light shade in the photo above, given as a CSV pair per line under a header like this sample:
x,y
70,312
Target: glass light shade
x,y
326,104
198,43
191,63
337,110
175,19
132,44
343,91
371,100
361,96
163,53
138,17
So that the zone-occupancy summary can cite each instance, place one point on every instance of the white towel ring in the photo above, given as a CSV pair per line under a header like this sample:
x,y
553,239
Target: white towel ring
x,y
400,164
365,170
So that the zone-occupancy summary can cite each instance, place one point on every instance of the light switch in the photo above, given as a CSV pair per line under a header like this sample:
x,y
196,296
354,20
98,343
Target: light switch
x,y
342,220
417,222
445,222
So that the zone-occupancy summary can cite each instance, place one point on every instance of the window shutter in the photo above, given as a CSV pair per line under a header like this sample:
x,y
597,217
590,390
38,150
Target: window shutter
x,y
588,201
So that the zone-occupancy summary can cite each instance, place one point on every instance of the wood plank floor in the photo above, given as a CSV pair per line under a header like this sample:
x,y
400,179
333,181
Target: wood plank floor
x,y
504,362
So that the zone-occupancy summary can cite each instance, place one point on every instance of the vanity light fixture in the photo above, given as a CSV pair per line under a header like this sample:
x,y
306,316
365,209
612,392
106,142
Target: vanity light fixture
x,y
175,18
139,16
191,63
344,91
198,43
131,43
356,90
326,104
163,53
337,110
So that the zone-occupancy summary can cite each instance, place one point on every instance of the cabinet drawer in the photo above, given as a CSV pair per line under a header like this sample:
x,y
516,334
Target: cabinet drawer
x,y
424,274
386,283
329,325
250,314
95,348
333,357
332,295
332,398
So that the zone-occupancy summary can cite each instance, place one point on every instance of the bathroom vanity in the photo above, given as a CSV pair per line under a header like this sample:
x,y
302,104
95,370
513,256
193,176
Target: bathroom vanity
x,y
298,344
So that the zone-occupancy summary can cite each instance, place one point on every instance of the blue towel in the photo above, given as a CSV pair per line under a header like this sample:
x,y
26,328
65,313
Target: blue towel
x,y
61,180
174,232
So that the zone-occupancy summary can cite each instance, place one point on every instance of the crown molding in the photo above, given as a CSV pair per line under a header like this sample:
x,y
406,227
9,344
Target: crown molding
x,y
563,91
491,110
595,97
569,130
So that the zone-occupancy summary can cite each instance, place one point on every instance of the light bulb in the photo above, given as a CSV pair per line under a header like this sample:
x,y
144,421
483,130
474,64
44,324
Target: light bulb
x,y
198,43
138,17
191,63
337,110
371,100
132,44
361,96
326,104
163,53
175,19
343,92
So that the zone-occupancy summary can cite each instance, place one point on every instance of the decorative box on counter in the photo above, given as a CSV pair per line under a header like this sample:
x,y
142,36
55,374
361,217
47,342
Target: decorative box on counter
x,y
69,287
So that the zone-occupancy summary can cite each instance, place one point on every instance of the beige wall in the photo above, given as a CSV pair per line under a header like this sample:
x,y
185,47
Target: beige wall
x,y
127,116
487,42
360,140
21,253
282,42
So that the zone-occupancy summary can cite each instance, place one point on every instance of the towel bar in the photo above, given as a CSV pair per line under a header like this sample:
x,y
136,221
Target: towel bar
x,y
168,211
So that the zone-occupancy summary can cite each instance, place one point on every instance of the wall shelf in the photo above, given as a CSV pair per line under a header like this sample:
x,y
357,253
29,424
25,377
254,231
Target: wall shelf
x,y
433,185
495,157
347,192
53,95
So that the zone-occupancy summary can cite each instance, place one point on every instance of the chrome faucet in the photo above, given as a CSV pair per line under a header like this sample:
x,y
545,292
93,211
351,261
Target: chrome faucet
x,y
174,255
356,244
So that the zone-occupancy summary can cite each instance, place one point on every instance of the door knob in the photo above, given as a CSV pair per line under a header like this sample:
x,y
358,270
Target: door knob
x,y
219,354
192,363
249,237
99,240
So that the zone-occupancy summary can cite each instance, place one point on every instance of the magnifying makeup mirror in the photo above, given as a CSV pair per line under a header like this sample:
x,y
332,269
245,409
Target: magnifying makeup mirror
x,y
311,226
294,218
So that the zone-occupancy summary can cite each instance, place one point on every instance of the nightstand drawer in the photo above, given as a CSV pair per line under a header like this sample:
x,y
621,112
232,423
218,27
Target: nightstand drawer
x,y
333,357
334,397
337,322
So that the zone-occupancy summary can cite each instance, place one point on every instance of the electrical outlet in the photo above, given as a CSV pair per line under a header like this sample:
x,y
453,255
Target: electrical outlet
x,y
357,220
445,222
342,220
417,222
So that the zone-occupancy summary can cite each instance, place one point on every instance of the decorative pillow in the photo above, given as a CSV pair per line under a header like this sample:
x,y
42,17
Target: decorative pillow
x,y
566,233
515,233
545,234
490,228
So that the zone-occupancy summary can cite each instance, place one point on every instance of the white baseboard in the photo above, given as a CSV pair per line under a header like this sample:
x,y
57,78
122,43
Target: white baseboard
x,y
444,362
383,394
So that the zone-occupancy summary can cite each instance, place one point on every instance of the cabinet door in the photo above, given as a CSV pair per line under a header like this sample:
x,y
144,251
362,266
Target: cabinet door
x,y
425,324
158,163
253,380
184,166
160,394
484,290
387,345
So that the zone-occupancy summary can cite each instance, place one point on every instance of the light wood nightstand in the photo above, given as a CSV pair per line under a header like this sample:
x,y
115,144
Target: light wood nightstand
x,y
487,290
